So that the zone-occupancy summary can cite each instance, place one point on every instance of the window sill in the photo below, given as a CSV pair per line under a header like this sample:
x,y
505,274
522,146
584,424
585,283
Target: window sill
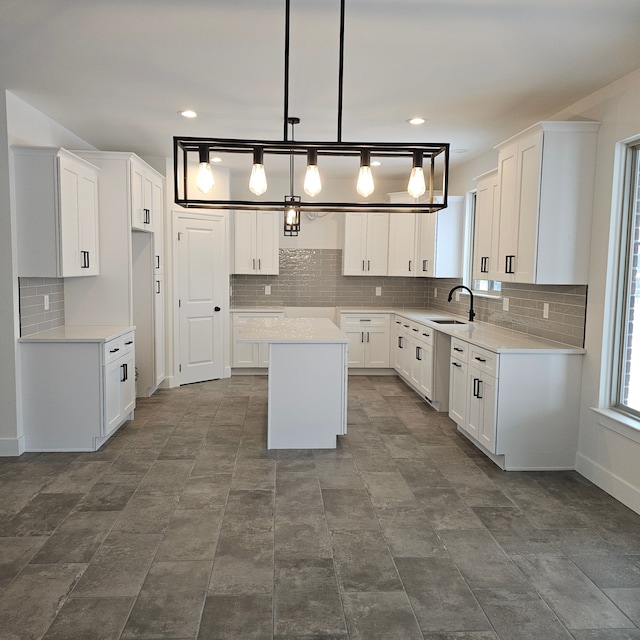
x,y
622,424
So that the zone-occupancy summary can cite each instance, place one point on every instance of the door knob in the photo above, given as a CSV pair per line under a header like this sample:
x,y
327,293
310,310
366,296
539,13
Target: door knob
x,y
216,308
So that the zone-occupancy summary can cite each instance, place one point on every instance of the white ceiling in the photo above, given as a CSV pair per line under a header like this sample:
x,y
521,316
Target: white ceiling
x,y
116,72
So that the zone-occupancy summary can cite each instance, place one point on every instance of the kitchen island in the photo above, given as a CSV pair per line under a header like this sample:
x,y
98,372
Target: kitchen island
x,y
307,380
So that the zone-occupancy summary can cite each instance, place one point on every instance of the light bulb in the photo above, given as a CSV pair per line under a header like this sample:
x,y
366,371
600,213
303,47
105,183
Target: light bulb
x,y
291,216
417,184
312,184
258,180
365,182
365,177
205,180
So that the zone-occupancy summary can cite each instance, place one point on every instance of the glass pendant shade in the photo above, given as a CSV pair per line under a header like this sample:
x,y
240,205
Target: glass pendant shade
x,y
417,185
312,183
205,179
258,179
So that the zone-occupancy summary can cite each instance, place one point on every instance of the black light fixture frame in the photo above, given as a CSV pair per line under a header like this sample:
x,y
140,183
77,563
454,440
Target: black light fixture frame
x,y
187,150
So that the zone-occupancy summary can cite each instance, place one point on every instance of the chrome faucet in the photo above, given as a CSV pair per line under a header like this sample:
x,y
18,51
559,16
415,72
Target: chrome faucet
x,y
472,313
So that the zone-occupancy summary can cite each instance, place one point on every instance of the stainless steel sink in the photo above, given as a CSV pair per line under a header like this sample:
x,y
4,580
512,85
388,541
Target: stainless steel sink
x,y
448,321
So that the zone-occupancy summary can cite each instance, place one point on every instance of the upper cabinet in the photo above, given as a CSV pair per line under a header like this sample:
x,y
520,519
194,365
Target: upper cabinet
x,y
545,176
57,213
256,242
147,188
426,244
485,242
365,244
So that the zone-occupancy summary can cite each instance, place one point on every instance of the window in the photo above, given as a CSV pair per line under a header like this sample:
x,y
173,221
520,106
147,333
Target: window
x,y
484,287
626,388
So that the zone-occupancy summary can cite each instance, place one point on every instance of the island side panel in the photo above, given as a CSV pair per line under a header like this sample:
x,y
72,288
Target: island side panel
x,y
307,395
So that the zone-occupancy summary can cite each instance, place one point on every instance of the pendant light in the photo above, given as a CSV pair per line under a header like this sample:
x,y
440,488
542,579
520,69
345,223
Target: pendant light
x,y
365,177
291,202
312,183
205,179
258,179
417,185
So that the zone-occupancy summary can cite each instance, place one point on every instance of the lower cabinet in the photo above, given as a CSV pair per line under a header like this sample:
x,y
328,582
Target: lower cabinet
x,y
414,355
520,407
252,355
368,339
76,391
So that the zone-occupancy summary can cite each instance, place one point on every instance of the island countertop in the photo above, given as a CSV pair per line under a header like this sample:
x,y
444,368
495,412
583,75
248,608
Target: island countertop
x,y
291,330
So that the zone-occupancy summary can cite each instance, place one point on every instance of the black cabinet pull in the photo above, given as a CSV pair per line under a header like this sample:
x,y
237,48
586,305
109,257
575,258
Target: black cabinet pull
x,y
416,330
365,319
367,336
129,342
362,336
157,286
125,373
398,322
85,260
426,335
479,390
114,350
400,342
480,359
410,266
368,265
484,264
157,262
508,266
406,326
418,353
147,216
424,265
458,349
216,308
455,364
475,387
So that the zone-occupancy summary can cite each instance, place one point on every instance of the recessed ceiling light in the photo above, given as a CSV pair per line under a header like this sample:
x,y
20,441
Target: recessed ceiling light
x,y
416,121
188,114
459,150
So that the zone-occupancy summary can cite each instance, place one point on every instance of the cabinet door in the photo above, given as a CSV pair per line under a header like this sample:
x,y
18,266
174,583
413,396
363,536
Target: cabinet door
x,y
484,257
426,252
244,242
458,385
424,354
508,218
377,243
157,215
127,384
137,197
398,347
158,336
356,347
88,223
402,244
529,172
355,244
481,407
376,347
268,242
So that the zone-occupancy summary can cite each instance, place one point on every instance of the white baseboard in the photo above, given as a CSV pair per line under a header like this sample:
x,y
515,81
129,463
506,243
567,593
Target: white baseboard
x,y
619,488
10,447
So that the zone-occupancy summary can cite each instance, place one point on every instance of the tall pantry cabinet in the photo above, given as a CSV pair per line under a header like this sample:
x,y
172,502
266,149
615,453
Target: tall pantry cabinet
x,y
130,290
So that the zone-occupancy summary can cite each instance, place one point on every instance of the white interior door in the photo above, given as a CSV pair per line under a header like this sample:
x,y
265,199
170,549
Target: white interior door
x,y
203,294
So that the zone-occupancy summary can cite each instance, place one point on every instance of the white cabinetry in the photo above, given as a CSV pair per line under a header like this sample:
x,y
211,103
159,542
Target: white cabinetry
x,y
368,339
57,213
253,355
521,407
76,391
365,244
147,200
427,244
485,241
132,263
256,242
545,179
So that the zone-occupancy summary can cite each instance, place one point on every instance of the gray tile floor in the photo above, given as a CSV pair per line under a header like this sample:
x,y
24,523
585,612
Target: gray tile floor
x,y
184,526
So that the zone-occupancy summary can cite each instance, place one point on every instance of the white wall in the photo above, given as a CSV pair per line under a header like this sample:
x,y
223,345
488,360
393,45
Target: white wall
x,y
20,124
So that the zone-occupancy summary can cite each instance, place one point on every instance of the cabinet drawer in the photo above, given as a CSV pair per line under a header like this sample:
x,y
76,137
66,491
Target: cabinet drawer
x,y
362,321
483,360
422,332
117,347
459,350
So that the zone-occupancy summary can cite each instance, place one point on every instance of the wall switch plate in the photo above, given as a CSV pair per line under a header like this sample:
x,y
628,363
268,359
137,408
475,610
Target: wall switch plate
x,y
505,304
378,291
435,292
267,289
545,310
45,299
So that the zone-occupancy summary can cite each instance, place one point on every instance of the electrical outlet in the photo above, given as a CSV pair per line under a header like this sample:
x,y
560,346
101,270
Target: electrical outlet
x,y
267,289
505,304
457,296
45,299
545,310
435,292
378,291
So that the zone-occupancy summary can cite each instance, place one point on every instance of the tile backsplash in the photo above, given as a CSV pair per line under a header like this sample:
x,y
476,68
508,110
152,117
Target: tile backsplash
x,y
312,278
33,317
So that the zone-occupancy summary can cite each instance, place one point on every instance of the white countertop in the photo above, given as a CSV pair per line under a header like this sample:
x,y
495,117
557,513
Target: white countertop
x,y
79,333
289,330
